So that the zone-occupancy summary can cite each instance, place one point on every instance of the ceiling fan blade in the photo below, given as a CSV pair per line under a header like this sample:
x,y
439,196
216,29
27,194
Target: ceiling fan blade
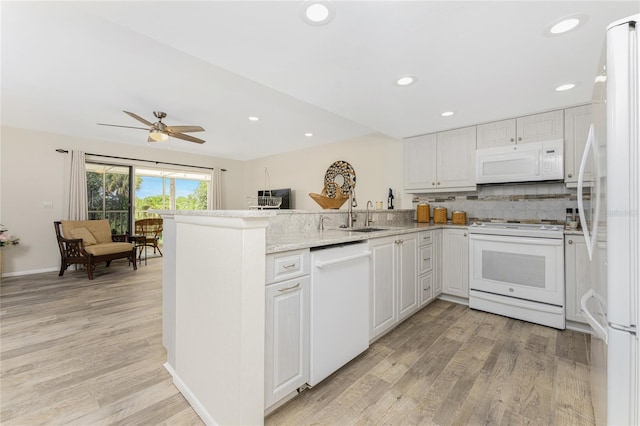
x,y
127,127
183,129
185,137
140,119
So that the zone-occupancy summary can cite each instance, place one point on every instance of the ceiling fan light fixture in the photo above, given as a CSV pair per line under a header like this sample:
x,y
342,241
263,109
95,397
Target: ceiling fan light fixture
x,y
158,136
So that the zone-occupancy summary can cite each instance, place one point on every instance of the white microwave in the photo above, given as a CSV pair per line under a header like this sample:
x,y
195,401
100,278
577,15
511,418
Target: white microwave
x,y
533,161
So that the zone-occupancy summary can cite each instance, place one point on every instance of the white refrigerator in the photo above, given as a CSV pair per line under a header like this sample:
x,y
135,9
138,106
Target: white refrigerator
x,y
612,228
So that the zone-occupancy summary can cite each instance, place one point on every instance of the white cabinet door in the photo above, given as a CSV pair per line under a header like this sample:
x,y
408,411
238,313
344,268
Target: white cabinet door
x,y
437,262
286,338
456,158
407,253
576,129
383,301
420,162
455,266
540,127
498,133
578,277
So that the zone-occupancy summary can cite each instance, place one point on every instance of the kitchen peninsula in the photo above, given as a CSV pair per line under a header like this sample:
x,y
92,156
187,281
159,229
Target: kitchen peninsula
x,y
214,298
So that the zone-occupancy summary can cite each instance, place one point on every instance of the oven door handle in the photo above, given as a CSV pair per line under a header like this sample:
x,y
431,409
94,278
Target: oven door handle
x,y
589,239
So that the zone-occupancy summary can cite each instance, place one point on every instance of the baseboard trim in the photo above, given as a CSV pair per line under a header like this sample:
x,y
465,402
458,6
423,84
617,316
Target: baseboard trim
x,y
190,397
29,272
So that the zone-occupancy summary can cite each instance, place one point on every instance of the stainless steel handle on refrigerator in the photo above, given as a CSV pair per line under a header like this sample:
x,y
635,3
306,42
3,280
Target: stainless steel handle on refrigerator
x,y
590,239
598,329
332,262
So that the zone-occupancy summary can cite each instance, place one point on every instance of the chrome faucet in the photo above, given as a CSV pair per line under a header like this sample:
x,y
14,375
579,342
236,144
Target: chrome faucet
x,y
321,223
367,220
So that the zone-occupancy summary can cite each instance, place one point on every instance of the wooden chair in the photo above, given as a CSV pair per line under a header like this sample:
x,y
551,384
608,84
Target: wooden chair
x,y
88,242
151,229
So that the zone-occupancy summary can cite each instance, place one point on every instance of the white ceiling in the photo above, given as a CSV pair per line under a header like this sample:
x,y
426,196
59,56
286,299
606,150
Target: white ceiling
x,y
69,65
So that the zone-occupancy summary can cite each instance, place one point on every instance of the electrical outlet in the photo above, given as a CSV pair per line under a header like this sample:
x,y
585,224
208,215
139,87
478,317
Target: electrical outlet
x,y
47,204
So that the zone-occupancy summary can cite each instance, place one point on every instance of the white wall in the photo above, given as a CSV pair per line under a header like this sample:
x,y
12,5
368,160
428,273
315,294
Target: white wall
x,y
32,173
376,159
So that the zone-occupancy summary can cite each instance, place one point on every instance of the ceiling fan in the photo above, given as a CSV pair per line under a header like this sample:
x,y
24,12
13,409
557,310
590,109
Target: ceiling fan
x,y
159,131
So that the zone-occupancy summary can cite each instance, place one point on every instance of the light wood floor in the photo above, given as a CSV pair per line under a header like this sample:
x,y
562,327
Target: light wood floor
x,y
82,352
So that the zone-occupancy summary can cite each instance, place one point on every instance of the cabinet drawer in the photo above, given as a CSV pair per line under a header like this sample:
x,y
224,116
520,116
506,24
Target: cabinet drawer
x,y
286,265
425,288
425,259
424,238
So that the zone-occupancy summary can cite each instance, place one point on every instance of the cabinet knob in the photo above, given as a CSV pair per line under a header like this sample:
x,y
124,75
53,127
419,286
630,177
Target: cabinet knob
x,y
464,235
570,175
519,138
513,140
570,241
438,183
433,184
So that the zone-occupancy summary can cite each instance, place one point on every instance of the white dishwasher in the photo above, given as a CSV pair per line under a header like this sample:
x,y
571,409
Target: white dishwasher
x,y
339,306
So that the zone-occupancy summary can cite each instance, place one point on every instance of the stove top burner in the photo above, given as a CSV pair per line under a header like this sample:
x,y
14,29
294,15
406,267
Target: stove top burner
x,y
517,229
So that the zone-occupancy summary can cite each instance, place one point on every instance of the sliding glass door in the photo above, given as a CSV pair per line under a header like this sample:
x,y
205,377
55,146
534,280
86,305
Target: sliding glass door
x,y
109,195
166,189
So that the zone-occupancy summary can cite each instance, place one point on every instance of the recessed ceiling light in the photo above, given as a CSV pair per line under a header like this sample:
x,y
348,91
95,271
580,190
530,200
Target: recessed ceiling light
x,y
254,118
308,134
447,114
565,24
406,80
317,12
565,87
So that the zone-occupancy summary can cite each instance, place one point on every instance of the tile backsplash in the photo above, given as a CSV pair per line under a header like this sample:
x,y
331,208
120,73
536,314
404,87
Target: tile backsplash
x,y
524,202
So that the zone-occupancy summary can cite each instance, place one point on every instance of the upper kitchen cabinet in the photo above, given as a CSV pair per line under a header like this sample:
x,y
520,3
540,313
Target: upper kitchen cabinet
x,y
498,133
540,127
577,121
444,161
420,162
531,128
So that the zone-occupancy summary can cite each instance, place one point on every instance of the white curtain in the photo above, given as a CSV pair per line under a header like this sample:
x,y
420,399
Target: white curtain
x,y
216,190
77,209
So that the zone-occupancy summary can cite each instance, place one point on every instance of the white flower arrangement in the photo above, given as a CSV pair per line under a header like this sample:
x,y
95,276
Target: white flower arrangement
x,y
6,239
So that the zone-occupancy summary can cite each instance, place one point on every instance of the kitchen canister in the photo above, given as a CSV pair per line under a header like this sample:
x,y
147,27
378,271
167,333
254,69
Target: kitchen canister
x,y
423,213
458,218
439,215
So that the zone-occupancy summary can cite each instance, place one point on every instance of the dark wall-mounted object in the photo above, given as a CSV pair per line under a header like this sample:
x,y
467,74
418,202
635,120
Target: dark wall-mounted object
x,y
284,193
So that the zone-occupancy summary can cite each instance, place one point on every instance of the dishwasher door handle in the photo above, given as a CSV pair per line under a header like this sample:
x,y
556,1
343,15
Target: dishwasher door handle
x,y
321,264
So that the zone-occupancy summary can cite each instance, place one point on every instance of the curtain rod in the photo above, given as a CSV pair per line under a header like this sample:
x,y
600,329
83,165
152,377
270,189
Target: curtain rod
x,y
64,151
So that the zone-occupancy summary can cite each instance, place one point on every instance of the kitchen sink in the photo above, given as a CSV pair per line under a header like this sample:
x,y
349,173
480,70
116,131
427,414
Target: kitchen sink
x,y
364,229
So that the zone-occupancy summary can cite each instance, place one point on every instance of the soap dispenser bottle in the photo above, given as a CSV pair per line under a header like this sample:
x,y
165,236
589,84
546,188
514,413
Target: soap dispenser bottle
x,y
390,200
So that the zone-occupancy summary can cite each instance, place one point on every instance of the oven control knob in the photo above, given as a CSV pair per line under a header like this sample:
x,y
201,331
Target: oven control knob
x,y
554,228
542,228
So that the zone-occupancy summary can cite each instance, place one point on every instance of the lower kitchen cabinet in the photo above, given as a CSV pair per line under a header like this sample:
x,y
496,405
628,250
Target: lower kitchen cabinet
x,y
455,262
394,291
426,262
578,277
286,338
437,262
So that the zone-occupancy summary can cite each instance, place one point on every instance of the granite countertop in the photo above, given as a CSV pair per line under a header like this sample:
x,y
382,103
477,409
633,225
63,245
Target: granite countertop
x,y
319,238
